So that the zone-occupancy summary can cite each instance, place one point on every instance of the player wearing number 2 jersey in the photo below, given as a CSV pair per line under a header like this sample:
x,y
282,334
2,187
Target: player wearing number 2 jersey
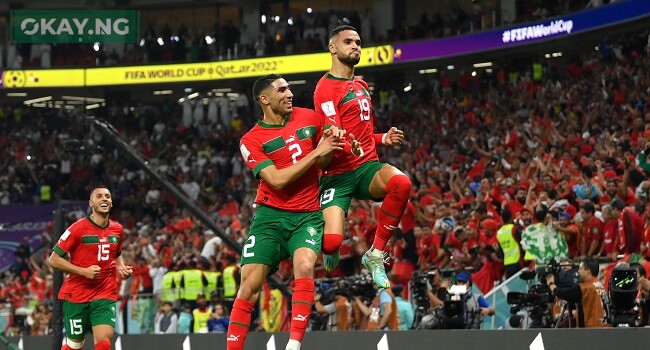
x,y
342,100
282,150
89,293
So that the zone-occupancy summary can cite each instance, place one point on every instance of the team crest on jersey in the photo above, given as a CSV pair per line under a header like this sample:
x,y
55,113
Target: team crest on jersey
x,y
311,230
328,108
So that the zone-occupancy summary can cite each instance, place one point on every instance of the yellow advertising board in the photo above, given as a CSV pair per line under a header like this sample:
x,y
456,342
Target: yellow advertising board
x,y
38,78
186,72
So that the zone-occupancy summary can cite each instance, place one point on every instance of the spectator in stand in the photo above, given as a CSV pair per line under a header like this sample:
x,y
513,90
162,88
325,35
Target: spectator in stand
x,y
592,231
166,319
630,227
219,320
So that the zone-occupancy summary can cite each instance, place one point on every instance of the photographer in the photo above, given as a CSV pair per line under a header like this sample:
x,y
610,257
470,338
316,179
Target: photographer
x,y
339,311
587,295
437,292
382,313
475,303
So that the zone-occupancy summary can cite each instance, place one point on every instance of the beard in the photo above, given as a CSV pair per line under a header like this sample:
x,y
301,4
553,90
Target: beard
x,y
349,60
521,200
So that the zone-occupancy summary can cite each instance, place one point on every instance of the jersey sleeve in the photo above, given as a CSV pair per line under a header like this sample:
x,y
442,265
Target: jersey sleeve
x,y
68,241
253,155
118,251
326,105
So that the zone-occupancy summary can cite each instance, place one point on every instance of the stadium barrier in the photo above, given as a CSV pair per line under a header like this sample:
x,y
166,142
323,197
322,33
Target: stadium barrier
x,y
548,339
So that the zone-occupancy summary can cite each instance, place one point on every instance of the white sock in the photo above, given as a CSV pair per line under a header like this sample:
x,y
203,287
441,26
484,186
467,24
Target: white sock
x,y
293,345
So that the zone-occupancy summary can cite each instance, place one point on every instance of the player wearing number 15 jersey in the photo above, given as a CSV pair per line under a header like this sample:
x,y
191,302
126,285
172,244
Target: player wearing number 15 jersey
x,y
89,293
282,150
343,100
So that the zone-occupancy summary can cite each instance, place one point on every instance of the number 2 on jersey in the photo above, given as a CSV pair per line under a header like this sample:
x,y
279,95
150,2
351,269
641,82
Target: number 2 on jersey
x,y
250,244
364,106
297,151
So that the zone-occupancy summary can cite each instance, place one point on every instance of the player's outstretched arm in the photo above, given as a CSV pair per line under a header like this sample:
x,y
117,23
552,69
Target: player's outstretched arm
x,y
280,178
394,137
59,263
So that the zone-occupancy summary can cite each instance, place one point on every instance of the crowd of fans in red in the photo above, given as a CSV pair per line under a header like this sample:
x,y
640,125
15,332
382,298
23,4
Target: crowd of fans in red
x,y
476,146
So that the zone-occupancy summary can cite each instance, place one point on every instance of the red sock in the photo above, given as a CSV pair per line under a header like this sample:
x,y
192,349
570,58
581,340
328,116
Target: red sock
x,y
303,297
103,345
66,347
332,243
398,190
240,322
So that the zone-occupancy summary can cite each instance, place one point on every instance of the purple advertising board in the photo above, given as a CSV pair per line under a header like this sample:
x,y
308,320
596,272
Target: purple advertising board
x,y
27,223
523,33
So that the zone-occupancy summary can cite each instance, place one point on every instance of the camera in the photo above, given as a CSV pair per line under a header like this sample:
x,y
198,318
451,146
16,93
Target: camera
x,y
535,304
622,310
566,273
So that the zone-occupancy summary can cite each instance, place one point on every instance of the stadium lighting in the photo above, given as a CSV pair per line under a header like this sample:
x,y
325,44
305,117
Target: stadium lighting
x,y
547,55
309,10
290,21
277,19
93,106
263,19
222,90
84,99
489,70
297,82
450,67
482,64
408,87
194,95
181,100
162,92
474,73
37,100
16,94
428,71
96,47
141,42
161,42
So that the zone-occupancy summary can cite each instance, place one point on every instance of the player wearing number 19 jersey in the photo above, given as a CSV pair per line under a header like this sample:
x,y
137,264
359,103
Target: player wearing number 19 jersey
x,y
342,100
282,151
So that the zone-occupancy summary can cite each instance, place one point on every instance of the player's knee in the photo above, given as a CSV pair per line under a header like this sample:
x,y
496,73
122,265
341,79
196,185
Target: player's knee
x,y
73,344
399,186
331,243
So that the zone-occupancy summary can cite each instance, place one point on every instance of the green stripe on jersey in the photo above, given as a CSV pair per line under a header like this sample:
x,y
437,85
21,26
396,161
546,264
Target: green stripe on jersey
x,y
306,132
113,239
89,239
351,95
273,145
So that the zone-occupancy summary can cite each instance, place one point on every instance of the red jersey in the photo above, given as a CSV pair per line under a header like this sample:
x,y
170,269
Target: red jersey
x,y
630,230
408,219
89,244
346,103
284,145
610,232
592,230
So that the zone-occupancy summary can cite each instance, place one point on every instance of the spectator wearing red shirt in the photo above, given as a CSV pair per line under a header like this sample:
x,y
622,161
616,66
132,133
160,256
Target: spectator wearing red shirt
x,y
630,227
592,231
610,232
141,273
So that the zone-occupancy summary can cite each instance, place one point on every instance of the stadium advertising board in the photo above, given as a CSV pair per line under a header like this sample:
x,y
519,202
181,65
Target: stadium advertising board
x,y
524,33
27,224
76,26
36,78
254,67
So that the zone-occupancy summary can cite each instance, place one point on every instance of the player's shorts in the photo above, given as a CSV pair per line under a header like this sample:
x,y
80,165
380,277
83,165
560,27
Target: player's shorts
x,y
80,318
338,190
276,234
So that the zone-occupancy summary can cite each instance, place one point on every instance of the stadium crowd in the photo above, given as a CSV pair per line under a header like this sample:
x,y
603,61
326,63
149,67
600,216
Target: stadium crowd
x,y
306,33
482,151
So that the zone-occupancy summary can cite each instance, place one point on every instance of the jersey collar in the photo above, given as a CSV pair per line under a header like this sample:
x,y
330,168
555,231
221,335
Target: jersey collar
x,y
96,224
261,123
330,76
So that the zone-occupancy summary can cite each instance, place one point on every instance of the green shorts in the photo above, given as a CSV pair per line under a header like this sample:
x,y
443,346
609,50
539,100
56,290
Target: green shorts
x,y
79,318
276,234
338,190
